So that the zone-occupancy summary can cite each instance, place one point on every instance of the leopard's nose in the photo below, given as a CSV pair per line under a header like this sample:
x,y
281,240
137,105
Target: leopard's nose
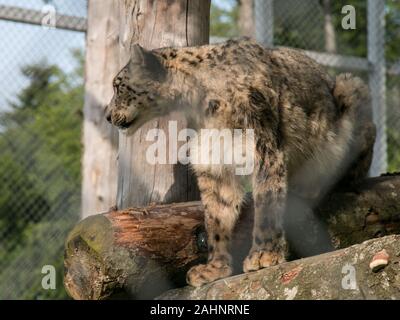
x,y
124,124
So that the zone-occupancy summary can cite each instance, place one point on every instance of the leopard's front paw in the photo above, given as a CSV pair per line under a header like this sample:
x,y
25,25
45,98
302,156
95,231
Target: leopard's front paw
x,y
259,259
205,273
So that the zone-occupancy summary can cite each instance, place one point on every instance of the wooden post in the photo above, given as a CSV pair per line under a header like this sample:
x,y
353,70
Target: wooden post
x,y
100,139
155,24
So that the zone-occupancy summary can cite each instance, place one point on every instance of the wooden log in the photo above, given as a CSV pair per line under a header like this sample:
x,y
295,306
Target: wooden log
x,y
340,275
138,251
141,252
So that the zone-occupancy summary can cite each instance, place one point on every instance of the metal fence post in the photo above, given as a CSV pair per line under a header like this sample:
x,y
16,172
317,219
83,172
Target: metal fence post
x,y
264,22
377,81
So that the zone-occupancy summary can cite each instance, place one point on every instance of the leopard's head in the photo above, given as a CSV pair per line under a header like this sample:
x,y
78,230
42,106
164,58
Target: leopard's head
x,y
137,95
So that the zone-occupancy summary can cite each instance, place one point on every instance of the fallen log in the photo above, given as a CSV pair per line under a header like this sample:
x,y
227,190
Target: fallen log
x,y
142,252
341,274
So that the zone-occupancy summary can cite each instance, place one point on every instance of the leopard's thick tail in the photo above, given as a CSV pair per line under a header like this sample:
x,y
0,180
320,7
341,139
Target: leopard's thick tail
x,y
352,95
353,100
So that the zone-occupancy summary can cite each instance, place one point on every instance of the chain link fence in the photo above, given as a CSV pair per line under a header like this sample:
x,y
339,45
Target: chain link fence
x,y
369,48
41,100
357,36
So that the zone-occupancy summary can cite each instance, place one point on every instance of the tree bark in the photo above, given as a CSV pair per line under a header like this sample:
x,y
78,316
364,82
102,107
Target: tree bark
x,y
141,252
329,29
100,139
155,24
343,274
246,18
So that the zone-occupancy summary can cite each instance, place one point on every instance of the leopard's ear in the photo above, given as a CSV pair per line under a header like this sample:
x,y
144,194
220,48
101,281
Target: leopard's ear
x,y
148,60
138,53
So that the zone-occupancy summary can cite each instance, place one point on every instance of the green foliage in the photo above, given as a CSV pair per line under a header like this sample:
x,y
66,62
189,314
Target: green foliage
x,y
393,31
40,172
393,116
354,42
298,24
223,18
393,150
351,42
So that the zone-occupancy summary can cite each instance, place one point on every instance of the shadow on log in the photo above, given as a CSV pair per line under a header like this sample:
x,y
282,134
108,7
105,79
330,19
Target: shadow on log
x,y
142,252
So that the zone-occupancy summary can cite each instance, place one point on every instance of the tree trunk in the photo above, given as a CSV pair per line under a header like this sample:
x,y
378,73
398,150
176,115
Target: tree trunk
x,y
246,18
329,29
155,24
145,251
100,139
340,275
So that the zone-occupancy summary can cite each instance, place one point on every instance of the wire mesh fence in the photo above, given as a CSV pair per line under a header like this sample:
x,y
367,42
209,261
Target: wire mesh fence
x,y
357,36
350,36
41,99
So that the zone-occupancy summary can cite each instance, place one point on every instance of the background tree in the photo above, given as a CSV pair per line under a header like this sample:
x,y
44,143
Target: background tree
x,y
40,165
245,17
224,18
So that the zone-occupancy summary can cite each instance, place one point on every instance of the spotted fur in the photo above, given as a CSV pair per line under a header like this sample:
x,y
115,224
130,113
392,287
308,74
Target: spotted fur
x,y
312,132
